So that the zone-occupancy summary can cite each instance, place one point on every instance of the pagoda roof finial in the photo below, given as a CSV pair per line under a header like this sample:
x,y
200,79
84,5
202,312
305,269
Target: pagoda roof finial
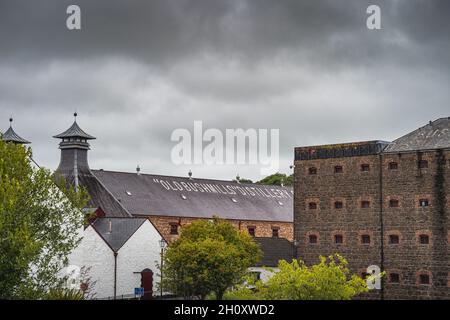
x,y
11,136
74,131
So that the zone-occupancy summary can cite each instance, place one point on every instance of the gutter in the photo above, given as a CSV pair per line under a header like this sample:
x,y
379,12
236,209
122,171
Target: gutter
x,y
115,274
380,157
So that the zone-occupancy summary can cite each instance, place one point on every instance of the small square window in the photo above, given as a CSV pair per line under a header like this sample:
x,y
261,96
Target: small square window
x,y
393,165
394,278
365,239
393,203
312,238
312,170
251,231
394,239
424,239
338,238
424,278
312,206
424,203
365,167
338,205
338,169
365,204
423,164
275,233
173,228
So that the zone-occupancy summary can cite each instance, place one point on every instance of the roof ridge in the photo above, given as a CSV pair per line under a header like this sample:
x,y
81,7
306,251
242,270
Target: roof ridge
x,y
169,176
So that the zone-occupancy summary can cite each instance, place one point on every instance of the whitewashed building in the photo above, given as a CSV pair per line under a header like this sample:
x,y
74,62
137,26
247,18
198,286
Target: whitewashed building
x,y
121,254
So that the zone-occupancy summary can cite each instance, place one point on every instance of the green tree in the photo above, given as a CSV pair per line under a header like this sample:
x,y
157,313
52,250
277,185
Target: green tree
x,y
39,224
209,257
278,179
328,280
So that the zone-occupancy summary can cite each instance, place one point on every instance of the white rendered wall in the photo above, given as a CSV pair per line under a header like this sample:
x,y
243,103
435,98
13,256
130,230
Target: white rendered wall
x,y
93,252
141,251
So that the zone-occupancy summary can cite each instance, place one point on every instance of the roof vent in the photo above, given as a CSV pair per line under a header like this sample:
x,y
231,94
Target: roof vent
x,y
238,179
190,174
138,170
128,193
183,197
234,200
280,203
109,226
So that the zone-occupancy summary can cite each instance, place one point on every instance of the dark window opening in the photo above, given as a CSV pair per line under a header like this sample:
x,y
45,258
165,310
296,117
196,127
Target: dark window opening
x,y
365,167
251,231
365,239
338,169
393,203
394,239
312,206
338,205
365,204
423,164
394,278
312,170
312,238
275,233
173,228
424,278
424,239
338,238
424,203
393,165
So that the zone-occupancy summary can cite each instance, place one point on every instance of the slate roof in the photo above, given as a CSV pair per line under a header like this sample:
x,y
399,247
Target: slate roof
x,y
121,230
11,136
434,135
74,132
157,195
275,249
101,197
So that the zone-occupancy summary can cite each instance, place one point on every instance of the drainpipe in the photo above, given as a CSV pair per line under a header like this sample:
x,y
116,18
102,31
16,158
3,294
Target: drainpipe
x,y
381,224
115,275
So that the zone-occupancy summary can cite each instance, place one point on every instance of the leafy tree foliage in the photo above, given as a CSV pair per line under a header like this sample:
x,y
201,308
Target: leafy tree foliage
x,y
39,224
328,280
278,179
209,257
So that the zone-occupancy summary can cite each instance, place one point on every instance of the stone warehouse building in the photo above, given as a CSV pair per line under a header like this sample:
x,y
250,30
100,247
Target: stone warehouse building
x,y
172,202
380,203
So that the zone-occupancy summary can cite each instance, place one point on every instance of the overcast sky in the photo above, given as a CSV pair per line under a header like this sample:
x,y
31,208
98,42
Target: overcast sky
x,y
140,69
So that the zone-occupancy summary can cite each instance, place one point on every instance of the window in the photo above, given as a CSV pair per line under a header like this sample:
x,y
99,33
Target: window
x,y
424,239
424,203
312,206
365,167
256,274
312,170
365,204
393,165
393,203
423,164
275,232
312,238
338,205
173,228
424,278
394,239
365,239
251,231
394,278
338,169
338,238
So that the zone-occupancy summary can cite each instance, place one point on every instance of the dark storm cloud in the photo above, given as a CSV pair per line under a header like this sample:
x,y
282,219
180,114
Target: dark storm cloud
x,y
139,69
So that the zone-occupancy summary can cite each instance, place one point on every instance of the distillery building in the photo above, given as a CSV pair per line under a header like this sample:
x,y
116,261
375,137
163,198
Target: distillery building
x,y
172,202
380,203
